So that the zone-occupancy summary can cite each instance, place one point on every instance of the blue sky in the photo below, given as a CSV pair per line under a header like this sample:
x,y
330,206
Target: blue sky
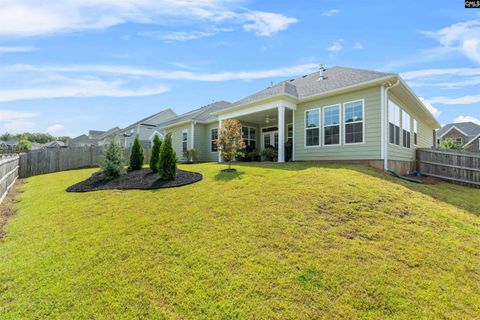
x,y
70,66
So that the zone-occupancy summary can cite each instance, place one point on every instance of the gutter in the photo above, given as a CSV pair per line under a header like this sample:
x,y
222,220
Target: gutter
x,y
385,120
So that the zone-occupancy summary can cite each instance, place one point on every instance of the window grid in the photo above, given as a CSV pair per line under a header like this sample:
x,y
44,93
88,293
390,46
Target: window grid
x,y
354,130
331,125
213,140
312,128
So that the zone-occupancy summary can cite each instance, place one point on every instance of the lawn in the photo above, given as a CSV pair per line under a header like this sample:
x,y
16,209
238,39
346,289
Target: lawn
x,y
273,241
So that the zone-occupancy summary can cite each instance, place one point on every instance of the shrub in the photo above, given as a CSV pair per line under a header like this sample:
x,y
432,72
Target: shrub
x,y
450,144
167,166
136,156
155,158
269,153
111,166
191,155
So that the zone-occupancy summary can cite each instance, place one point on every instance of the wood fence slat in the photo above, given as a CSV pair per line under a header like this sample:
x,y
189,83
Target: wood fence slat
x,y
459,166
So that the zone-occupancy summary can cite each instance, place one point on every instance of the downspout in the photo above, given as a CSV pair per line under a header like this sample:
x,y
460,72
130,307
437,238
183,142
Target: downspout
x,y
388,86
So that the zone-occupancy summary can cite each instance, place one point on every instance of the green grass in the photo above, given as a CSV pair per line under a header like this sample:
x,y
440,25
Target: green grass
x,y
273,241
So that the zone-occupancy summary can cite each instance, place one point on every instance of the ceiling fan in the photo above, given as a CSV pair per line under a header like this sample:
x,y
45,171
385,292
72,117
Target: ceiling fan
x,y
268,119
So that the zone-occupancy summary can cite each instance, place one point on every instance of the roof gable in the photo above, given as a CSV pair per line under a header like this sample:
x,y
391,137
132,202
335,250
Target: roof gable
x,y
469,129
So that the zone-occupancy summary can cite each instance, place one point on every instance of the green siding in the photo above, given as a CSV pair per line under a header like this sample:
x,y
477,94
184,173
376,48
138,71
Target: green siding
x,y
425,134
177,138
369,150
202,141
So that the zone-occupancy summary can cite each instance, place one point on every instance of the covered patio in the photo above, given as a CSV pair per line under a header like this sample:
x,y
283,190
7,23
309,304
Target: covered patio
x,y
269,125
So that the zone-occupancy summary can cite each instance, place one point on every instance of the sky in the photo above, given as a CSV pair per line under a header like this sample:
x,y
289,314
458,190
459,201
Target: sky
x,y
67,66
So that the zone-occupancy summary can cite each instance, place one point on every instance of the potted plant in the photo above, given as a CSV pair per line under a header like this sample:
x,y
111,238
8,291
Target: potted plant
x,y
269,154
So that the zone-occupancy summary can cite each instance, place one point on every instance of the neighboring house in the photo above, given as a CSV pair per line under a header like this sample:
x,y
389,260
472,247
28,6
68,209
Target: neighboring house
x,y
9,145
105,137
82,141
339,114
146,129
464,133
55,144
36,146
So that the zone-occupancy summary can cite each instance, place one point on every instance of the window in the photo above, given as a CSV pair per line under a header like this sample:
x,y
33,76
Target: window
x,y
312,128
394,123
290,132
354,122
459,140
406,129
213,140
415,132
331,125
184,140
249,135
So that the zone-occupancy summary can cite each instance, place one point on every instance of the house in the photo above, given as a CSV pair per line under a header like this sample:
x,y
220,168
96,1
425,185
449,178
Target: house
x,y
146,129
337,114
55,144
464,133
82,141
9,145
105,136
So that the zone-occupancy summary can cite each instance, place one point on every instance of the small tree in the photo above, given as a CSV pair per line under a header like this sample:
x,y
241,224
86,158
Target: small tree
x,y
112,164
155,158
230,141
167,166
450,144
136,156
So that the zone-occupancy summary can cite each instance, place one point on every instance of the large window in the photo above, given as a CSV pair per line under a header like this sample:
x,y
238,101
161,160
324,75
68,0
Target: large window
x,y
415,132
213,140
249,135
331,125
406,129
393,123
354,122
290,132
459,140
184,140
312,128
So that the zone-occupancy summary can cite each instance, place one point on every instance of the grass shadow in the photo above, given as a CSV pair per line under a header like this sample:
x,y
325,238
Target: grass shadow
x,y
228,176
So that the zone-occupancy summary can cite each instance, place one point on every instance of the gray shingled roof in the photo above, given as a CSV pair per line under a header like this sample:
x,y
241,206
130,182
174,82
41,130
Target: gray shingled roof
x,y
309,85
203,114
95,132
471,129
145,119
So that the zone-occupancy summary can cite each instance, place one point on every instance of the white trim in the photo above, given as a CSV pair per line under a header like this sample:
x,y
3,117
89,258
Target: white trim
x,y
363,123
453,127
293,135
475,138
415,131
220,125
305,128
193,136
403,113
210,139
257,108
339,106
382,121
184,131
154,134
281,134
248,136
389,101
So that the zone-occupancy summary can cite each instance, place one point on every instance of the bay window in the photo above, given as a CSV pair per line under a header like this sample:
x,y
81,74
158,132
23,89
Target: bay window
x,y
312,128
393,123
331,125
354,122
406,129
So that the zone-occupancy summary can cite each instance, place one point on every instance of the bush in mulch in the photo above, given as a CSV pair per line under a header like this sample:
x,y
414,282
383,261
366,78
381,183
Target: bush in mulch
x,y
167,165
155,158
144,179
136,156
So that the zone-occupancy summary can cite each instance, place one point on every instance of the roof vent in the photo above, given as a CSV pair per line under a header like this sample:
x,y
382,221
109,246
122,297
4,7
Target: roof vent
x,y
321,73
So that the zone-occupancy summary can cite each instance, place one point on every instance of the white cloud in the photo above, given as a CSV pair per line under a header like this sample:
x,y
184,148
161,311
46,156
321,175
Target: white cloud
x,y
464,37
463,118
464,100
55,128
409,75
434,111
80,88
184,35
15,49
30,18
330,13
267,23
336,46
16,121
169,75
358,46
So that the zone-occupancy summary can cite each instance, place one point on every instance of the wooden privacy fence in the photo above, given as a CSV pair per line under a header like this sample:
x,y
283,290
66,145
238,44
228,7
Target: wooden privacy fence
x,y
456,166
59,159
8,173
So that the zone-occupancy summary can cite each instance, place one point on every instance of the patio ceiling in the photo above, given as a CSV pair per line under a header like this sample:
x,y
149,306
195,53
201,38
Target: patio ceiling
x,y
260,118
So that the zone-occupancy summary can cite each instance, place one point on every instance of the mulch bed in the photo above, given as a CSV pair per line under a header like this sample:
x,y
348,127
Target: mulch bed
x,y
144,179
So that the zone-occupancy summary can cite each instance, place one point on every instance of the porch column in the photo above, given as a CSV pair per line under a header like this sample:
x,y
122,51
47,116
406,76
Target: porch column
x,y
218,133
281,134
